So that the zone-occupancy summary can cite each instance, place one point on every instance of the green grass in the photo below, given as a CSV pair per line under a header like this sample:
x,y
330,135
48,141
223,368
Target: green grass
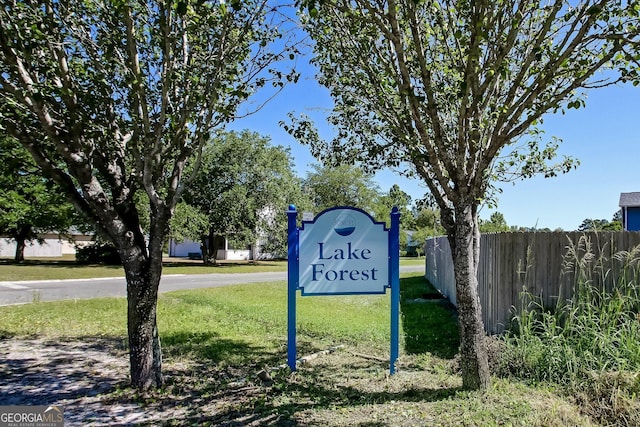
x,y
52,269
66,268
427,321
215,341
197,320
412,261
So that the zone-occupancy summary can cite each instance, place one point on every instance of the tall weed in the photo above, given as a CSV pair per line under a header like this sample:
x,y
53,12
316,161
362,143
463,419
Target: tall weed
x,y
584,341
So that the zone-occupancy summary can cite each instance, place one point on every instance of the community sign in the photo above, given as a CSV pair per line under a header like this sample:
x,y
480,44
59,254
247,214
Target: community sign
x,y
343,251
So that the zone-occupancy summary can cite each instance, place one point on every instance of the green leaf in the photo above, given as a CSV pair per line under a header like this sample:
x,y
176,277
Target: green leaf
x,y
181,8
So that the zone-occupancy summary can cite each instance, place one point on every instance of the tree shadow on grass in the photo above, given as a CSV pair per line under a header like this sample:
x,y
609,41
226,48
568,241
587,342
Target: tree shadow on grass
x,y
43,372
209,347
429,321
315,395
209,381
258,411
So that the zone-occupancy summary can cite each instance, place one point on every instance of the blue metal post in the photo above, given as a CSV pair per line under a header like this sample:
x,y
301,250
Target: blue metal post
x,y
292,283
394,273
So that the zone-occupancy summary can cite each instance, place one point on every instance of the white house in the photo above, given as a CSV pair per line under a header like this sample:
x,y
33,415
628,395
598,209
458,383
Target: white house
x,y
192,250
53,245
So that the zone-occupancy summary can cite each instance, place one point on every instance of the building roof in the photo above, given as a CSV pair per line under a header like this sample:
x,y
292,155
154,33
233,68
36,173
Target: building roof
x,y
629,199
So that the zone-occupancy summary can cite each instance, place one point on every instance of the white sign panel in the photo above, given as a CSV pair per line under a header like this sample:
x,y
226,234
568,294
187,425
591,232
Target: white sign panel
x,y
343,251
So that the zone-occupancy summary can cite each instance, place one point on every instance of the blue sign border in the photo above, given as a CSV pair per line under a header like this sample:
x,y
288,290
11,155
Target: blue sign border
x,y
293,279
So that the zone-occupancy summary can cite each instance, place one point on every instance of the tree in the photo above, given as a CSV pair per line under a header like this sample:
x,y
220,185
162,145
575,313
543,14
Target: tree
x,y
29,203
114,99
420,236
600,225
342,185
495,224
394,198
617,216
456,89
188,223
241,189
427,219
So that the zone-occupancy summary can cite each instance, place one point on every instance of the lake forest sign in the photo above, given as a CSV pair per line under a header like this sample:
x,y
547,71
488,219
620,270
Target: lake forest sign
x,y
343,251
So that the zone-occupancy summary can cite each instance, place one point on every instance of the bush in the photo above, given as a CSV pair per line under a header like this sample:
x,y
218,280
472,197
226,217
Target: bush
x,y
98,253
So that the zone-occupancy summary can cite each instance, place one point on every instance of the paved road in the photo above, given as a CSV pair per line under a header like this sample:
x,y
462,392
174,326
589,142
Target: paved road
x,y
22,292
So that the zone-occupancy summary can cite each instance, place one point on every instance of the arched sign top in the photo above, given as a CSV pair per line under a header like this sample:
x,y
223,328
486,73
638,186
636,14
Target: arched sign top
x,y
346,212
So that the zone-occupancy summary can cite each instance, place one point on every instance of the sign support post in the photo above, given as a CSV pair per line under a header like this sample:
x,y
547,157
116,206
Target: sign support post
x,y
292,284
394,281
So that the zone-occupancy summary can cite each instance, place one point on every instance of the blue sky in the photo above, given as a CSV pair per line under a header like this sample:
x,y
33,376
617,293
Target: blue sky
x,y
604,136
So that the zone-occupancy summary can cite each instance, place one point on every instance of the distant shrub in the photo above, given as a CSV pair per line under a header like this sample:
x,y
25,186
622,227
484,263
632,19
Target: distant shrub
x,y
98,253
411,251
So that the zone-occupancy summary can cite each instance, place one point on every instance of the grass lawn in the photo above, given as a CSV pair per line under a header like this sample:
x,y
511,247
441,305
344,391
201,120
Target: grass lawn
x,y
218,343
66,268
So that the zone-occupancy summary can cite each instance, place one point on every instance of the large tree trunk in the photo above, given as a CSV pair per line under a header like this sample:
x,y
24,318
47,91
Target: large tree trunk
x,y
204,248
143,270
21,238
145,354
209,246
20,245
465,245
215,242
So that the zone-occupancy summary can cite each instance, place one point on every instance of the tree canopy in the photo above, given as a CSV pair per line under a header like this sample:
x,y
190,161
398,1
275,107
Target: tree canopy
x,y
495,224
241,189
601,224
395,197
342,185
29,204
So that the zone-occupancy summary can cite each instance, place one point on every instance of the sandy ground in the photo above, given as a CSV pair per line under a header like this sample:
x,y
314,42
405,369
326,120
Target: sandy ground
x,y
89,379
73,374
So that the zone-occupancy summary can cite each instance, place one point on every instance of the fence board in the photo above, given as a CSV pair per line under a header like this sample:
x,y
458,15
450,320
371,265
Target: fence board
x,y
536,262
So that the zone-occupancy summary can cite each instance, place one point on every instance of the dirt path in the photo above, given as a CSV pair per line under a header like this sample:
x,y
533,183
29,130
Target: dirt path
x,y
73,374
89,379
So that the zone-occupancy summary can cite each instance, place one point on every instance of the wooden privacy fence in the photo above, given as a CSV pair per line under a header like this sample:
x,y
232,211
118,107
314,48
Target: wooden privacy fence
x,y
543,263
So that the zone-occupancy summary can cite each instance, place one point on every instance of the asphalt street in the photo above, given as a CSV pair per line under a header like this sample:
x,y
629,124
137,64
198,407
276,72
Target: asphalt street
x,y
24,292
